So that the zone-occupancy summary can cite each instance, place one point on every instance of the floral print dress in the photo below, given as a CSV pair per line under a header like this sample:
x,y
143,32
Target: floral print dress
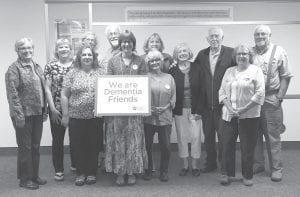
x,y
125,141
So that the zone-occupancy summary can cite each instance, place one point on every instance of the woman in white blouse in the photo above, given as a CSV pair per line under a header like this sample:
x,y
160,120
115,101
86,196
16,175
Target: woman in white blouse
x,y
242,93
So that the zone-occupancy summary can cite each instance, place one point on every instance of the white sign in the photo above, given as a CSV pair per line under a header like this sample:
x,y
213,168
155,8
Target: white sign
x,y
119,95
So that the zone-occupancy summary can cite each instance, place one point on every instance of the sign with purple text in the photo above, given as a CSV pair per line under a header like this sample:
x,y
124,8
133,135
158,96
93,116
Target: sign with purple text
x,y
119,95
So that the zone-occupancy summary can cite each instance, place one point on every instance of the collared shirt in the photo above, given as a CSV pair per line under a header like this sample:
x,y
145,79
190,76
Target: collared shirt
x,y
240,88
279,69
55,73
82,87
24,89
163,91
213,59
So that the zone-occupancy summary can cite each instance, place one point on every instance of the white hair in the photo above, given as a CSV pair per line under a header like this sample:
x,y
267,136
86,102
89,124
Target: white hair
x,y
20,42
216,28
109,28
264,27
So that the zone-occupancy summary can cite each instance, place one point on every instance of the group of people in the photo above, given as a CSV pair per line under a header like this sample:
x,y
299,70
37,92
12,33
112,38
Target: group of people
x,y
226,91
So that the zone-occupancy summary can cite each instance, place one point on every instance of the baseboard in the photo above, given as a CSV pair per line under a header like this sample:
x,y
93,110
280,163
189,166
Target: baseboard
x,y
45,150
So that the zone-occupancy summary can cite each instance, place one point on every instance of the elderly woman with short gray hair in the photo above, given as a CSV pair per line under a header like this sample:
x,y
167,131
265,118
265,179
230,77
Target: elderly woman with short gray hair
x,y
26,98
163,97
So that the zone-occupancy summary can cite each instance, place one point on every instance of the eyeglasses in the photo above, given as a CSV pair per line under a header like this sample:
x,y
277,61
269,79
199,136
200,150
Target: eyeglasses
x,y
25,48
242,54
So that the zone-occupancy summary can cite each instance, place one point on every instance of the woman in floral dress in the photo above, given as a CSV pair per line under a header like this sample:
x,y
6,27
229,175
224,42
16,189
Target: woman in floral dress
x,y
125,144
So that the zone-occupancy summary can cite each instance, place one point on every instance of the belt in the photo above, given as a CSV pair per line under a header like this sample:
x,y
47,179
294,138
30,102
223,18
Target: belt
x,y
271,92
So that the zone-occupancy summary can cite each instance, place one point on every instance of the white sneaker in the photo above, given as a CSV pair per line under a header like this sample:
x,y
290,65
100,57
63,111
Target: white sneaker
x,y
59,176
73,169
248,182
276,176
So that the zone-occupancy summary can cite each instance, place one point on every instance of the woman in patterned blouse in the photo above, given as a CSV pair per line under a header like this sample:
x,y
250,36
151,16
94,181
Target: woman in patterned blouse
x,y
55,72
125,143
77,102
242,92
25,94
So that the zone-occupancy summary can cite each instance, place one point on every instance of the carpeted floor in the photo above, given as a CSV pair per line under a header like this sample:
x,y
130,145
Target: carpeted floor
x,y
205,185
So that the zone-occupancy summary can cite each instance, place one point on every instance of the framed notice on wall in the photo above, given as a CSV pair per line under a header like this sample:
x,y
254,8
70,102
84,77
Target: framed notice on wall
x,y
119,95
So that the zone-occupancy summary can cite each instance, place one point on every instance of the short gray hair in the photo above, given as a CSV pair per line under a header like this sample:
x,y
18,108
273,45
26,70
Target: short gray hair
x,y
109,28
265,27
153,55
20,42
216,28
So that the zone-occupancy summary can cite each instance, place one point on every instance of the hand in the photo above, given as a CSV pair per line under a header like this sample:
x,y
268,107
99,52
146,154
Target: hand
x,y
160,110
233,112
241,110
173,64
20,123
65,121
56,116
195,117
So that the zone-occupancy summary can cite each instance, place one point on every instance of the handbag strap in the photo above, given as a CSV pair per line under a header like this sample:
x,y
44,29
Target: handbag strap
x,y
267,85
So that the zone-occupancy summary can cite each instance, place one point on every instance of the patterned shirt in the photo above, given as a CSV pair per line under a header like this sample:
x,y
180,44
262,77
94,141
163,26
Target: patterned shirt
x,y
279,69
24,89
82,87
163,91
55,73
239,88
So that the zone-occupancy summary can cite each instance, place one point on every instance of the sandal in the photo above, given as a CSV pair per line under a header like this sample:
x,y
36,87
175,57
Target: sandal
x,y
79,181
90,180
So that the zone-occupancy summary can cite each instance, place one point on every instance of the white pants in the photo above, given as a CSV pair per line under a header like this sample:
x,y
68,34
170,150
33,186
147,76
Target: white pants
x,y
188,131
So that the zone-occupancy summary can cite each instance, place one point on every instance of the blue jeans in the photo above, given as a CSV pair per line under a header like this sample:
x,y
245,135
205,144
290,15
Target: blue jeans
x,y
271,126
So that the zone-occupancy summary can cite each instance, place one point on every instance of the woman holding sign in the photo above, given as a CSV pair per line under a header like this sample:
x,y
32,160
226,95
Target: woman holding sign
x,y
78,102
163,97
125,145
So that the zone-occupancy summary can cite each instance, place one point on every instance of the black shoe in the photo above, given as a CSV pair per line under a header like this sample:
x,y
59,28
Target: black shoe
x,y
39,181
147,175
196,172
183,172
164,177
208,168
28,185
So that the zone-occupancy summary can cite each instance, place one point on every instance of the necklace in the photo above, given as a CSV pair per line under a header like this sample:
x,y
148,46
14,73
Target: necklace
x,y
122,63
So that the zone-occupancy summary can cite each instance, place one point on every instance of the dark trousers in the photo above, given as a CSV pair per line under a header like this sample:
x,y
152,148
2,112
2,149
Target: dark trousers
x,y
28,140
85,137
164,143
58,134
247,129
211,120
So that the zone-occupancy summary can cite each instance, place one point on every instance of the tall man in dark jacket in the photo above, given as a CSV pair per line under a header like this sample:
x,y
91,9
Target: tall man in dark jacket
x,y
213,62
